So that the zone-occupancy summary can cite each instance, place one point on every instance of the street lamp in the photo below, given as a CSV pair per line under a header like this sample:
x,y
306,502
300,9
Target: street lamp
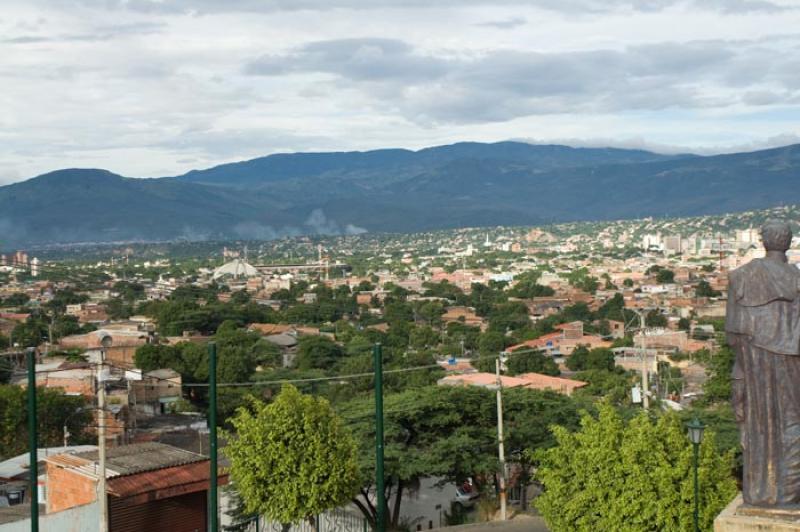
x,y
696,429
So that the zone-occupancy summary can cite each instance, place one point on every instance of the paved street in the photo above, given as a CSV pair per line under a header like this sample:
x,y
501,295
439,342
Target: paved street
x,y
520,523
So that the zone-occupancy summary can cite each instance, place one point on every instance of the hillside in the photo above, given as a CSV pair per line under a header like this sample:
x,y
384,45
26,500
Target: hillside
x,y
465,184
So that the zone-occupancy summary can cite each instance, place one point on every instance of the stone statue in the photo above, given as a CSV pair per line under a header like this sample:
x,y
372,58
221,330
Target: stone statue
x,y
763,328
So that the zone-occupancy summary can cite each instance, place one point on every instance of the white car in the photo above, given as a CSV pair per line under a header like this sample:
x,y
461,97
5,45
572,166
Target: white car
x,y
466,499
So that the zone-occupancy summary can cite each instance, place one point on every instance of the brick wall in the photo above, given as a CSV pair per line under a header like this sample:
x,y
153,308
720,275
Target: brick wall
x,y
66,489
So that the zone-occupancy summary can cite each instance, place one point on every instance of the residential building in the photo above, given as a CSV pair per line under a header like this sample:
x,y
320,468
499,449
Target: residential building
x,y
149,486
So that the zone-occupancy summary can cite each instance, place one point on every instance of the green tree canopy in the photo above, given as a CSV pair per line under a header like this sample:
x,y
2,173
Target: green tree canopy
x,y
703,289
317,352
448,432
491,343
528,362
583,358
292,459
665,276
636,475
717,387
55,410
526,285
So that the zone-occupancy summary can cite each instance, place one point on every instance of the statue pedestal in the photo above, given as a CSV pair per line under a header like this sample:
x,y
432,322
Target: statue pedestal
x,y
739,518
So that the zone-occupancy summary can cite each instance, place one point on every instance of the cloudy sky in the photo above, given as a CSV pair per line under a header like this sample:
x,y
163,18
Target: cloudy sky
x,y
158,87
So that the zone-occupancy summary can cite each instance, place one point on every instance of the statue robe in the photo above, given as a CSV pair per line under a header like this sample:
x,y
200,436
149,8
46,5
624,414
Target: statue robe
x,y
763,326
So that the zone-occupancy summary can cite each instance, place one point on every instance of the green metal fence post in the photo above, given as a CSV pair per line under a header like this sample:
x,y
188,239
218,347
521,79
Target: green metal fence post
x,y
33,440
212,435
380,522
696,516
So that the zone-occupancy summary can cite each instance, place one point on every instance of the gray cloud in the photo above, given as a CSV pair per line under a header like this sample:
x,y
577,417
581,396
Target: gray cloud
x,y
96,34
356,59
562,6
505,84
505,24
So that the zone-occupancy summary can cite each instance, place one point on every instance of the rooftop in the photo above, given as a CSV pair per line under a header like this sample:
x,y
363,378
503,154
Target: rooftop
x,y
128,459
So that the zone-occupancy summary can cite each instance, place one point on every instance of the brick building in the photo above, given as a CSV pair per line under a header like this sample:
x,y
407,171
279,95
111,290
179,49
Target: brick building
x,y
150,486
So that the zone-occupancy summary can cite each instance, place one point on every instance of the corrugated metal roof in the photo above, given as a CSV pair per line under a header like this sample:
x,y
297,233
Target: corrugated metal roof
x,y
128,459
19,465
170,477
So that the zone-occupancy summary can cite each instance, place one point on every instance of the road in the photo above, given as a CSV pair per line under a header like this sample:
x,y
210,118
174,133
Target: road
x,y
520,523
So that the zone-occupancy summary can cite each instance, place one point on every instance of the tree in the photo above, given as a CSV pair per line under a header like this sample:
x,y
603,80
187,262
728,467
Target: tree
x,y
617,475
29,333
684,324
577,360
433,431
16,300
600,358
431,312
614,386
581,279
584,359
317,352
449,432
704,289
149,357
527,362
628,283
717,387
528,416
65,297
292,459
6,370
55,410
486,364
491,343
512,315
129,291
614,309
655,319
665,276
526,286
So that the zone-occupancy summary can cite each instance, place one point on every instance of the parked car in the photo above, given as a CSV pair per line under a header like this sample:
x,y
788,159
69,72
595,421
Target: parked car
x,y
466,496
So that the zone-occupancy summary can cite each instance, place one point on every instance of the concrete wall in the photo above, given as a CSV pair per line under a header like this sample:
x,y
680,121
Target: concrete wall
x,y
79,519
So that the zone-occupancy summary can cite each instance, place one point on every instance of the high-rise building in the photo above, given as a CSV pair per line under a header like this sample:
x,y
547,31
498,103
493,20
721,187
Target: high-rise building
x,y
673,244
651,241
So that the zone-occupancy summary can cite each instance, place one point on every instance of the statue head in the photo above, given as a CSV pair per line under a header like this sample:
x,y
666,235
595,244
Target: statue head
x,y
776,235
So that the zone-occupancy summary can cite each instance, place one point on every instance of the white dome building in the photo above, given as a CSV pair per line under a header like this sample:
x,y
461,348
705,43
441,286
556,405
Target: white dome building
x,y
236,268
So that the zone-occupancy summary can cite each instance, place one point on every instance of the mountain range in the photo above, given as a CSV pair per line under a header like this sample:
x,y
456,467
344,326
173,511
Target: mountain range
x,y
395,190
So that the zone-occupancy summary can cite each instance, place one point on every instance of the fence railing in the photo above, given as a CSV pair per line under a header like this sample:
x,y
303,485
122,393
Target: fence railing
x,y
337,520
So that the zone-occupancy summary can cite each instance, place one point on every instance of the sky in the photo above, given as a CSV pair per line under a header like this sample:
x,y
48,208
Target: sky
x,y
150,88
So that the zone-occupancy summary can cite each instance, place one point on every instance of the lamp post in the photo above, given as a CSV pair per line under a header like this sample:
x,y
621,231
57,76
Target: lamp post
x,y
696,429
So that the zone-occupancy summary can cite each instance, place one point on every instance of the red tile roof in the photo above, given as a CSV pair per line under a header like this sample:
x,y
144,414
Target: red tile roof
x,y
538,342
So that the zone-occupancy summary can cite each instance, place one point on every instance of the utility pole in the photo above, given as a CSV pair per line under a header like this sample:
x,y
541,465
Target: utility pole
x,y
102,498
380,498
643,348
212,435
500,447
33,440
